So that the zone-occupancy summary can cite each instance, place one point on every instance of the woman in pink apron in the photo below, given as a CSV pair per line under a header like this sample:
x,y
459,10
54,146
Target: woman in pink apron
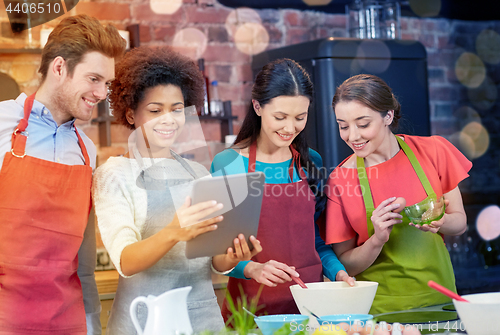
x,y
271,140
375,243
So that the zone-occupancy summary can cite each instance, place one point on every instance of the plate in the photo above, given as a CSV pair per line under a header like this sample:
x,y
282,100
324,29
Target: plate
x,y
417,317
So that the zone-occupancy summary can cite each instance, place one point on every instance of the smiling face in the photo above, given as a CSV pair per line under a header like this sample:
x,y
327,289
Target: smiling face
x,y
161,114
364,130
79,93
283,118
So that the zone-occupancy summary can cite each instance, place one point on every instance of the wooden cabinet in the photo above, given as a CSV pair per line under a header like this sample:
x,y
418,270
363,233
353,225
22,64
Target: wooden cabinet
x,y
107,282
105,312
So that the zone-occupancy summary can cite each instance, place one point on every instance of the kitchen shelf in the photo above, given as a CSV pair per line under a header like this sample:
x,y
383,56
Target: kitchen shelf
x,y
210,117
104,120
226,121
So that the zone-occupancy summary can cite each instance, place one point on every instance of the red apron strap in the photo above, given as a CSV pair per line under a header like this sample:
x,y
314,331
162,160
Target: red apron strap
x,y
296,162
252,159
19,142
28,105
84,149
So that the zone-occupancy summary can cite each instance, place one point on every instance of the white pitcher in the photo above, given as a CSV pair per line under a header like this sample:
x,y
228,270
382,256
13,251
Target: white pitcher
x,y
167,313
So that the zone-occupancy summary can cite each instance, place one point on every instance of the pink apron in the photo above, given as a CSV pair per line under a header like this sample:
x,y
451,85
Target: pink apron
x,y
286,232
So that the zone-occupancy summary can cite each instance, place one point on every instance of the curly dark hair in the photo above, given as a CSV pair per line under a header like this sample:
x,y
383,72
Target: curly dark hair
x,y
145,67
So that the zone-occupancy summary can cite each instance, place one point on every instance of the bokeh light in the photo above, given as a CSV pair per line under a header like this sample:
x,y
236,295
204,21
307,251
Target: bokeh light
x,y
464,143
191,42
488,46
470,70
473,140
316,2
465,115
345,65
484,96
374,56
488,223
251,38
239,17
425,8
165,6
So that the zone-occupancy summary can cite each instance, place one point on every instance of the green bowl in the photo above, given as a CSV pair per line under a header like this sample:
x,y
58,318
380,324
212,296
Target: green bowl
x,y
426,211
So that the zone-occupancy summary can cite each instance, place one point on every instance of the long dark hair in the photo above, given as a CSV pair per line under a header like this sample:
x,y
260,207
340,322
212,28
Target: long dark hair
x,y
282,77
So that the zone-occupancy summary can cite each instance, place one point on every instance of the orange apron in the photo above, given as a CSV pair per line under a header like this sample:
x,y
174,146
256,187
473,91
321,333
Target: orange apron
x,y
286,233
44,210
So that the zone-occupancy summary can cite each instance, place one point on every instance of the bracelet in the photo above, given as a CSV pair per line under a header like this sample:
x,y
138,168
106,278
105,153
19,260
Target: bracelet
x,y
219,272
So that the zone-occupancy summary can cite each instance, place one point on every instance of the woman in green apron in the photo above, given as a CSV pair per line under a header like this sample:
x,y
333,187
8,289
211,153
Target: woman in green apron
x,y
373,242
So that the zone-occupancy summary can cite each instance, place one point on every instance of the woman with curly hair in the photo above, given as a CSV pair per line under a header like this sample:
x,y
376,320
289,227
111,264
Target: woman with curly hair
x,y
135,197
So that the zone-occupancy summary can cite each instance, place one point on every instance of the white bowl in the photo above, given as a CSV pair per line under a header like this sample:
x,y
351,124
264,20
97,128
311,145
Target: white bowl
x,y
338,297
480,315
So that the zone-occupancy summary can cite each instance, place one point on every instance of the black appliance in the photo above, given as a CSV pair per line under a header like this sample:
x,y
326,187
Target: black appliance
x,y
330,61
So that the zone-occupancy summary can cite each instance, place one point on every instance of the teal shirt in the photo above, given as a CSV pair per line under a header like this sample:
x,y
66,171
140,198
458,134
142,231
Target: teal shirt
x,y
231,162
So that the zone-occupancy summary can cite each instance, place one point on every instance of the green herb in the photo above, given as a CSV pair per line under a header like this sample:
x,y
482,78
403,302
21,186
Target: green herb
x,y
240,320
286,329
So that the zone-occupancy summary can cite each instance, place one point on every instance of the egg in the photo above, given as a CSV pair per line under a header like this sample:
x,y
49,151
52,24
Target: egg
x,y
328,330
360,328
382,329
402,204
412,330
355,329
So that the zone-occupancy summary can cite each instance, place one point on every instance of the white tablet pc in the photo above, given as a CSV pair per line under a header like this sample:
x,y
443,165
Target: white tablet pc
x,y
241,195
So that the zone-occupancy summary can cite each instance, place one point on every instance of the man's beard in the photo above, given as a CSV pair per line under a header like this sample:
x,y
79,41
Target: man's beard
x,y
61,101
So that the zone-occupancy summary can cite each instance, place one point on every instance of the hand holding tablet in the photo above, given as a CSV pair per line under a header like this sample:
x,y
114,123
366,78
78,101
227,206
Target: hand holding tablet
x,y
241,196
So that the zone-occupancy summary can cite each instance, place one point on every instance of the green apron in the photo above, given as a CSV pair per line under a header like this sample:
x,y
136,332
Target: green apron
x,y
409,259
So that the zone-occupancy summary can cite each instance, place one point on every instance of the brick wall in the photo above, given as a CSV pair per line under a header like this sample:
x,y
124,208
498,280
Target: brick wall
x,y
445,41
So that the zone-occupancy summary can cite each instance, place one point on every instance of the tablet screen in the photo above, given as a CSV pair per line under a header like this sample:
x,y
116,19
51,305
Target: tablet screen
x,y
241,195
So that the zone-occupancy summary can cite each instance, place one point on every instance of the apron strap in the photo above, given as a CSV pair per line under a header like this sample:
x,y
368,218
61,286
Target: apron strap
x,y
82,146
19,143
365,185
252,160
367,194
252,157
18,148
296,162
175,155
184,164
417,167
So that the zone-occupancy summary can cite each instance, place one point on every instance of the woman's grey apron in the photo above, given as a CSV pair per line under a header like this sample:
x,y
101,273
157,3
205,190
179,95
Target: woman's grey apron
x,y
166,182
